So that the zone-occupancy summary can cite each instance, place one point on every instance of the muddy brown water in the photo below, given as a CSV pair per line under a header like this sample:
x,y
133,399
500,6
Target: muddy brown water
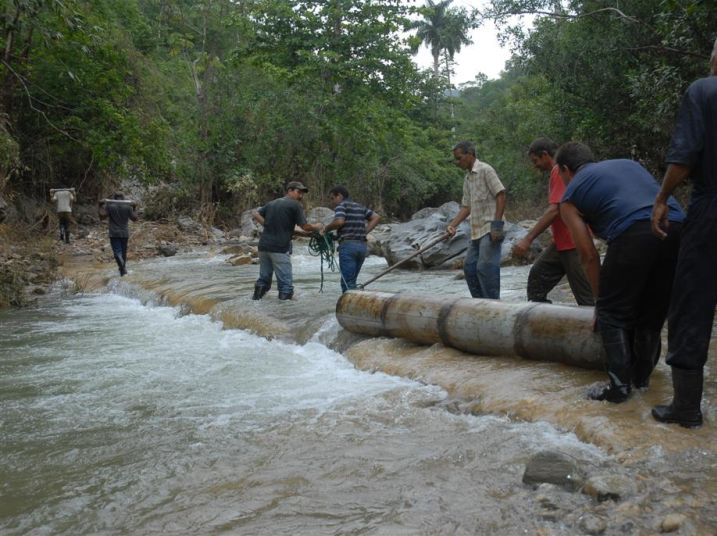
x,y
169,402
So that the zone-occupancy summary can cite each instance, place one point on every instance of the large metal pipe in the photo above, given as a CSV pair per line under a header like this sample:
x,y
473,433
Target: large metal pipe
x,y
531,330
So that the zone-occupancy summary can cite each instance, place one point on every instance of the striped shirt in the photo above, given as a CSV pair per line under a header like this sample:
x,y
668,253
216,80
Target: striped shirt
x,y
354,216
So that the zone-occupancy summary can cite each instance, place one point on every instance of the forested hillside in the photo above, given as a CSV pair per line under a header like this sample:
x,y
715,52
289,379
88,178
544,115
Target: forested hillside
x,y
222,102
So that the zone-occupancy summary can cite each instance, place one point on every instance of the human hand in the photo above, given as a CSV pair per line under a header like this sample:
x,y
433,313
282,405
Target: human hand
x,y
659,220
496,230
521,247
451,230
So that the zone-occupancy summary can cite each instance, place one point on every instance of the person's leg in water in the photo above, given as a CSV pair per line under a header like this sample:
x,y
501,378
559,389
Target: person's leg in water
x,y
266,272
119,253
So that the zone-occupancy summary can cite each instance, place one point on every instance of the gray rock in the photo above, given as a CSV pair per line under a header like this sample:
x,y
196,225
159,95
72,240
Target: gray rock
x,y
613,487
217,233
553,468
320,215
167,250
188,225
592,524
3,209
248,226
672,522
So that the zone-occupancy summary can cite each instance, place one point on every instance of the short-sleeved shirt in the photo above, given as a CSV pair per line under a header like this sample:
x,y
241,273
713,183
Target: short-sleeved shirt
x,y
63,200
354,216
118,216
613,194
694,140
280,218
481,185
561,233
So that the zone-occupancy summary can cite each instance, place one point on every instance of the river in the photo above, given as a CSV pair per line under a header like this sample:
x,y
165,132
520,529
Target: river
x,y
169,402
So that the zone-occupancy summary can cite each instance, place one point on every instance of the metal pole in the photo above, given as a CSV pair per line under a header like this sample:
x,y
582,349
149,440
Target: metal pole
x,y
425,248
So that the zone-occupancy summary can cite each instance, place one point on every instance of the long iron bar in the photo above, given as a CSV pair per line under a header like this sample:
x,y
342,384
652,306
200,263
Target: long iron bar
x,y
425,248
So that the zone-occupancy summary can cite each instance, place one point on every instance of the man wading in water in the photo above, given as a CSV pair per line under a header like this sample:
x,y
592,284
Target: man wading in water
x,y
353,222
632,288
692,154
118,212
279,218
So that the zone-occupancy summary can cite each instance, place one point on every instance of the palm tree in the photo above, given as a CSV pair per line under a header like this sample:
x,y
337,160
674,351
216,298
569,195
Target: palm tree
x,y
444,30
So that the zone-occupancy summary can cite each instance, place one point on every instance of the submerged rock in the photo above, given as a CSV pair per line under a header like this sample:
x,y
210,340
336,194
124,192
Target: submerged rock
x,y
553,468
610,487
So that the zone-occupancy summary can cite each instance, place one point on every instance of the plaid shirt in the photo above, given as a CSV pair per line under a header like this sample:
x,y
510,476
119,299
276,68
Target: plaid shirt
x,y
481,185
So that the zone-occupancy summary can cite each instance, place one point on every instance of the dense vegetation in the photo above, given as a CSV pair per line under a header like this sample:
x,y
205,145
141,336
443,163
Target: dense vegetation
x,y
222,102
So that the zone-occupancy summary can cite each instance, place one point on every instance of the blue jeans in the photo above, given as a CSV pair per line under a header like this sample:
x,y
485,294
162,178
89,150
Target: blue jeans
x,y
352,253
119,249
482,268
270,262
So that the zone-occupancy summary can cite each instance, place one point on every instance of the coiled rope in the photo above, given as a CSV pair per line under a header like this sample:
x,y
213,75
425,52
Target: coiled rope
x,y
323,246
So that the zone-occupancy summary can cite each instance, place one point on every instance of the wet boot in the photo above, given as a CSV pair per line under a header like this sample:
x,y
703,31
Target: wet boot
x,y
618,351
259,291
685,407
286,295
646,346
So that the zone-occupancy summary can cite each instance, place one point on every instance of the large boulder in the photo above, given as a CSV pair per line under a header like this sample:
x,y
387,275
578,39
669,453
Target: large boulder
x,y
320,215
3,209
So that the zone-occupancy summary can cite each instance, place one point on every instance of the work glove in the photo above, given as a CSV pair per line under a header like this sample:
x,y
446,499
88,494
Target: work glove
x,y
496,230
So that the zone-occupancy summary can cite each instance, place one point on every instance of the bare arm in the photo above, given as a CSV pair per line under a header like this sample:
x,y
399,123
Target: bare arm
x,y
372,222
102,211
257,217
499,206
589,257
521,247
463,213
338,223
675,175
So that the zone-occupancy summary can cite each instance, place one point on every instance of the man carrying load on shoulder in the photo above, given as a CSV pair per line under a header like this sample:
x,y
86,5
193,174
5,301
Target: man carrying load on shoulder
x,y
632,289
63,199
118,212
353,222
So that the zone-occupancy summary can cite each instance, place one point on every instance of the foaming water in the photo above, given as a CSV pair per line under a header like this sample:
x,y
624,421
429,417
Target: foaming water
x,y
123,418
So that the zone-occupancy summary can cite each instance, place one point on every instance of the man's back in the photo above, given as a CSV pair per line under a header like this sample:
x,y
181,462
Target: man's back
x,y
119,215
63,200
280,217
613,194
354,216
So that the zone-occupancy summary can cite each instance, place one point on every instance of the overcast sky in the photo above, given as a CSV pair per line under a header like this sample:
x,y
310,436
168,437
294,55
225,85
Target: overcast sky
x,y
485,55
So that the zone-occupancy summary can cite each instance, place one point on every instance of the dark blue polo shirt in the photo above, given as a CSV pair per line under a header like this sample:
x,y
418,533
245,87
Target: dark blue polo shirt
x,y
613,194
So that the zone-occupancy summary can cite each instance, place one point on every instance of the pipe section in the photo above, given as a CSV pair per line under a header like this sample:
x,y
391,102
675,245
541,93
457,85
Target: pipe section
x,y
539,331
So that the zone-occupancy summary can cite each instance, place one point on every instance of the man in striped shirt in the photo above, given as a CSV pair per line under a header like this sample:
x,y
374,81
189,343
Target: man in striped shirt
x,y
353,222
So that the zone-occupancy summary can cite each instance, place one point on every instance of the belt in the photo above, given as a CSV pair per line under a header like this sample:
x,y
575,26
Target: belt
x,y
342,240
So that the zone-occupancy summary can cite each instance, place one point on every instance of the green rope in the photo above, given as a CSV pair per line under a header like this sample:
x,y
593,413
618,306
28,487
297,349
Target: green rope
x,y
323,246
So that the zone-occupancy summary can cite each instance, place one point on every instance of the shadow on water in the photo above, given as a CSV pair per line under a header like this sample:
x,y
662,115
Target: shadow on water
x,y
435,461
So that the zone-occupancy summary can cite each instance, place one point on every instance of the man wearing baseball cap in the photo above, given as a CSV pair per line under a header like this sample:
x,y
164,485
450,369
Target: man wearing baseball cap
x,y
279,218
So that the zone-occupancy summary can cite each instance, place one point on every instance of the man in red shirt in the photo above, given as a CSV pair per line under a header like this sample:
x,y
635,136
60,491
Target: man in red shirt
x,y
560,258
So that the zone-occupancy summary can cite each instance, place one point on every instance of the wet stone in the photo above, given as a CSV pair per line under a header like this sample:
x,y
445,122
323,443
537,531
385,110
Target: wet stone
x,y
591,524
672,522
553,468
610,487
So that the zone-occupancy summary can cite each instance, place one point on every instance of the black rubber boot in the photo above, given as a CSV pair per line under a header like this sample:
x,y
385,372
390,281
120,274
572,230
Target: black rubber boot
x,y
286,295
618,350
259,291
646,346
685,407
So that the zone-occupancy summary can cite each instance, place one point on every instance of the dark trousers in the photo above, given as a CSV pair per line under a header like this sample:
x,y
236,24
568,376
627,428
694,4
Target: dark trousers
x,y
119,249
636,278
550,267
65,219
694,293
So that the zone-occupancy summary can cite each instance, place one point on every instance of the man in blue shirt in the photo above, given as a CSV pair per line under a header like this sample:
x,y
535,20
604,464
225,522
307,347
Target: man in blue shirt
x,y
632,289
692,154
353,222
280,217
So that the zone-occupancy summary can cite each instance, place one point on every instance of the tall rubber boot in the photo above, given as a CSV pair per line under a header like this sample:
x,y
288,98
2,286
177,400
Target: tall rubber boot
x,y
685,407
618,351
259,291
646,347
286,295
